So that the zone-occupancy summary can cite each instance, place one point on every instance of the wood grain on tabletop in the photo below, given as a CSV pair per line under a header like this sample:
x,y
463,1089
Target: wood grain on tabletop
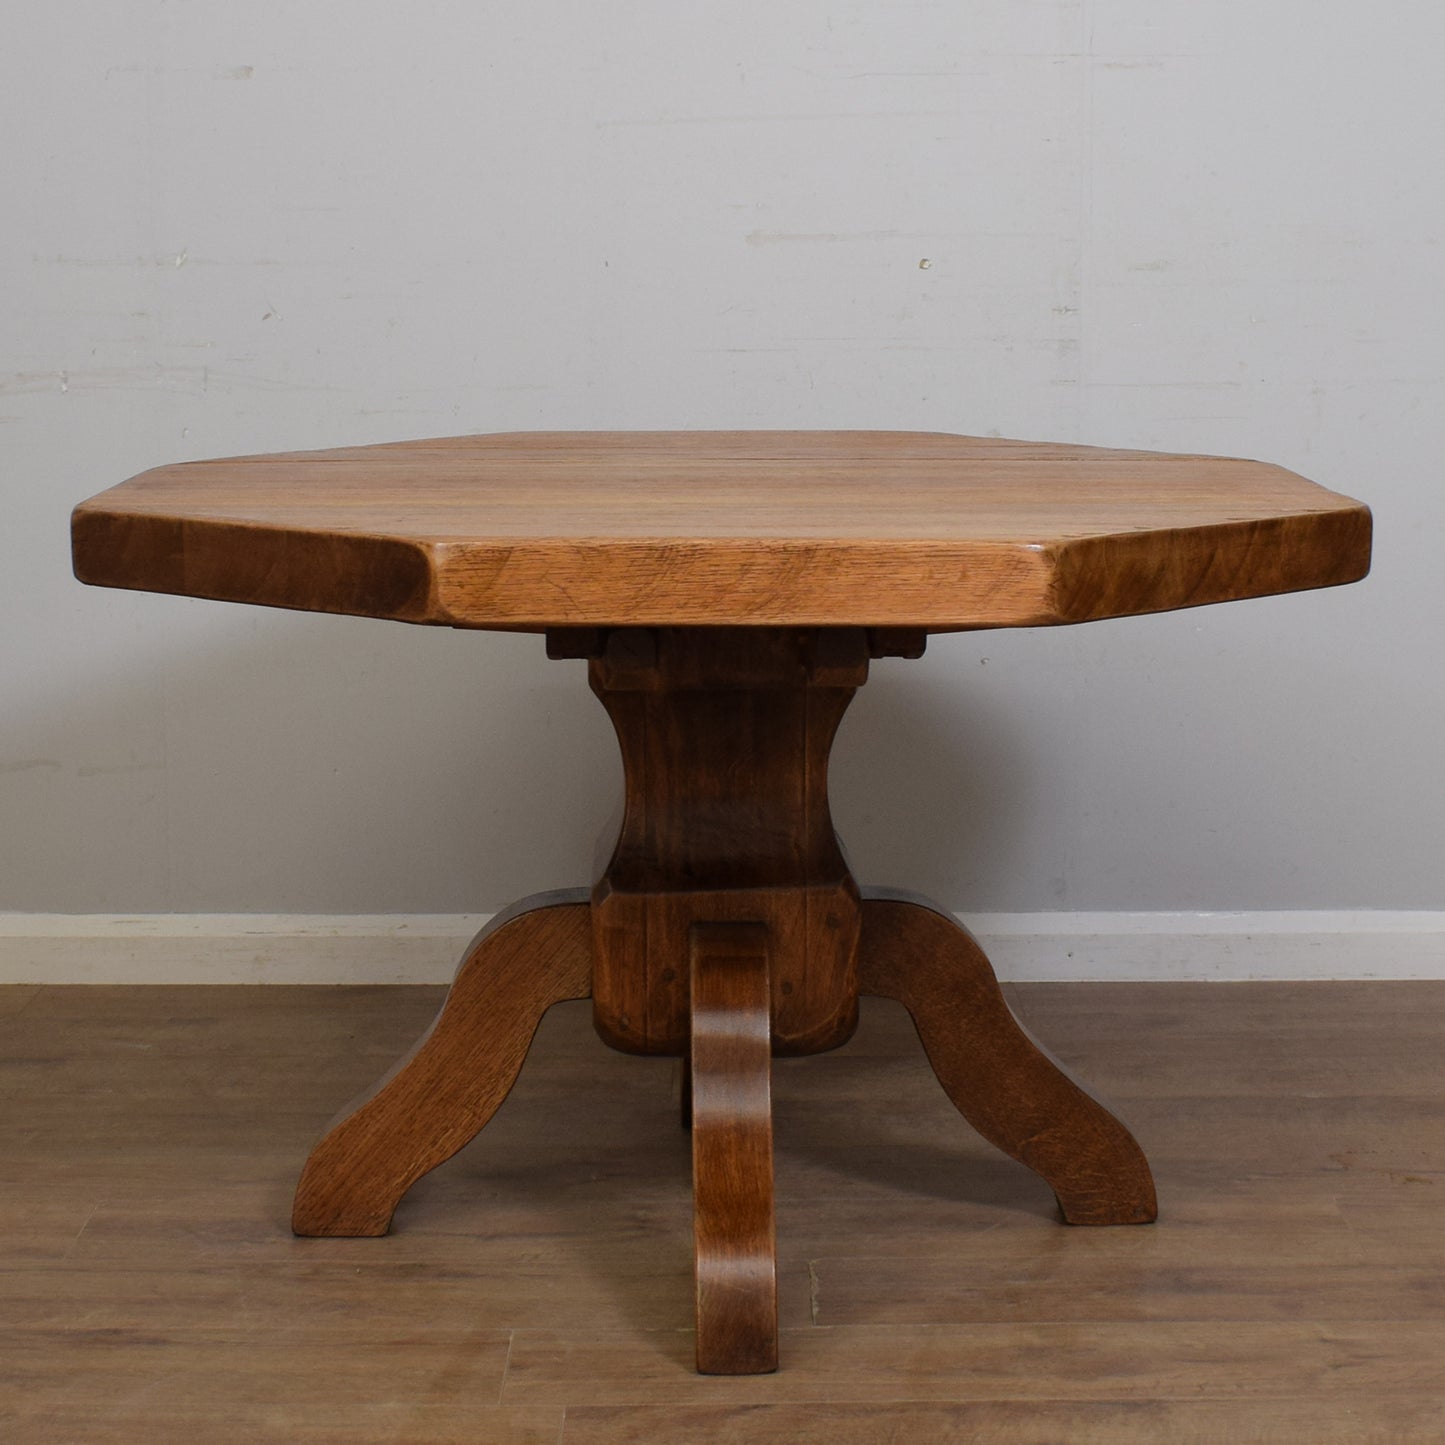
x,y
526,530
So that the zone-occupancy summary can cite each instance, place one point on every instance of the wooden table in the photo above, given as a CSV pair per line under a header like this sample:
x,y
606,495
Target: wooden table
x,y
727,591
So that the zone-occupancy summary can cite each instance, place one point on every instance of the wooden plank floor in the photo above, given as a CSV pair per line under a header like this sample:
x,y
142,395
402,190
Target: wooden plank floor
x,y
537,1288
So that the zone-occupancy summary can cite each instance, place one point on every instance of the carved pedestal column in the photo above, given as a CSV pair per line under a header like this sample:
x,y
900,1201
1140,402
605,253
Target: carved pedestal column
x,y
724,927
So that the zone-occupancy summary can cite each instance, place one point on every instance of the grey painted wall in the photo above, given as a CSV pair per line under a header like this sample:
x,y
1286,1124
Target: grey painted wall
x,y
1197,228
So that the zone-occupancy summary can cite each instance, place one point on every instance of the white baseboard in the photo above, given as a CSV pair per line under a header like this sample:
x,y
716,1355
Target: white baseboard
x,y
425,948
1228,947
233,947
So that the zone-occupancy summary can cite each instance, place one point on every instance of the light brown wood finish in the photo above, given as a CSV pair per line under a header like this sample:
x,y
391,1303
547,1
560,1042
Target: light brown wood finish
x,y
804,554
732,1150
445,1090
1005,1085
536,530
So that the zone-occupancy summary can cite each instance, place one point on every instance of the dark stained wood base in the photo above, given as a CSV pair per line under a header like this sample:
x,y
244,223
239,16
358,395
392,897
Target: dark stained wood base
x,y
1019,1098
724,928
732,1151
441,1094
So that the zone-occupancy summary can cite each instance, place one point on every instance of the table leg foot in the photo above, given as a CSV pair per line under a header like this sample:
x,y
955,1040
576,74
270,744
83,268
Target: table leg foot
x,y
438,1097
999,1079
732,1150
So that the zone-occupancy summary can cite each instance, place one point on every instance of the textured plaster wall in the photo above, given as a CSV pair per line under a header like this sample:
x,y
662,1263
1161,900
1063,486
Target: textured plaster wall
x,y
1181,226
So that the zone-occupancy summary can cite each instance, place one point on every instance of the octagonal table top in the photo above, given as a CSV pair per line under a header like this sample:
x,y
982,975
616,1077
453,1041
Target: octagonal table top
x,y
529,530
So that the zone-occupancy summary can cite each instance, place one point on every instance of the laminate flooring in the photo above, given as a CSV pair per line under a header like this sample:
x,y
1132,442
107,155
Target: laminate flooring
x,y
537,1288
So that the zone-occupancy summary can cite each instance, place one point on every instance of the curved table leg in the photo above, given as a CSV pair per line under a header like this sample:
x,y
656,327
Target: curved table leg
x,y
438,1097
732,1150
999,1079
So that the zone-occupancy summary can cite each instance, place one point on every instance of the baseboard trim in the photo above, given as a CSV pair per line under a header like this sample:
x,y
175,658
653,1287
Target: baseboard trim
x,y
40,948
233,947
1228,947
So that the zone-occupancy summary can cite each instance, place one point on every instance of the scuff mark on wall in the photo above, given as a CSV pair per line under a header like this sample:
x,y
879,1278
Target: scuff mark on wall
x,y
219,72
773,117
194,380
172,259
22,383
776,238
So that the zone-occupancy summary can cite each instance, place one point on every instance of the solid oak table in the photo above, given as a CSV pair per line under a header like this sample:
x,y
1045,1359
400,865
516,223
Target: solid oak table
x,y
728,590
